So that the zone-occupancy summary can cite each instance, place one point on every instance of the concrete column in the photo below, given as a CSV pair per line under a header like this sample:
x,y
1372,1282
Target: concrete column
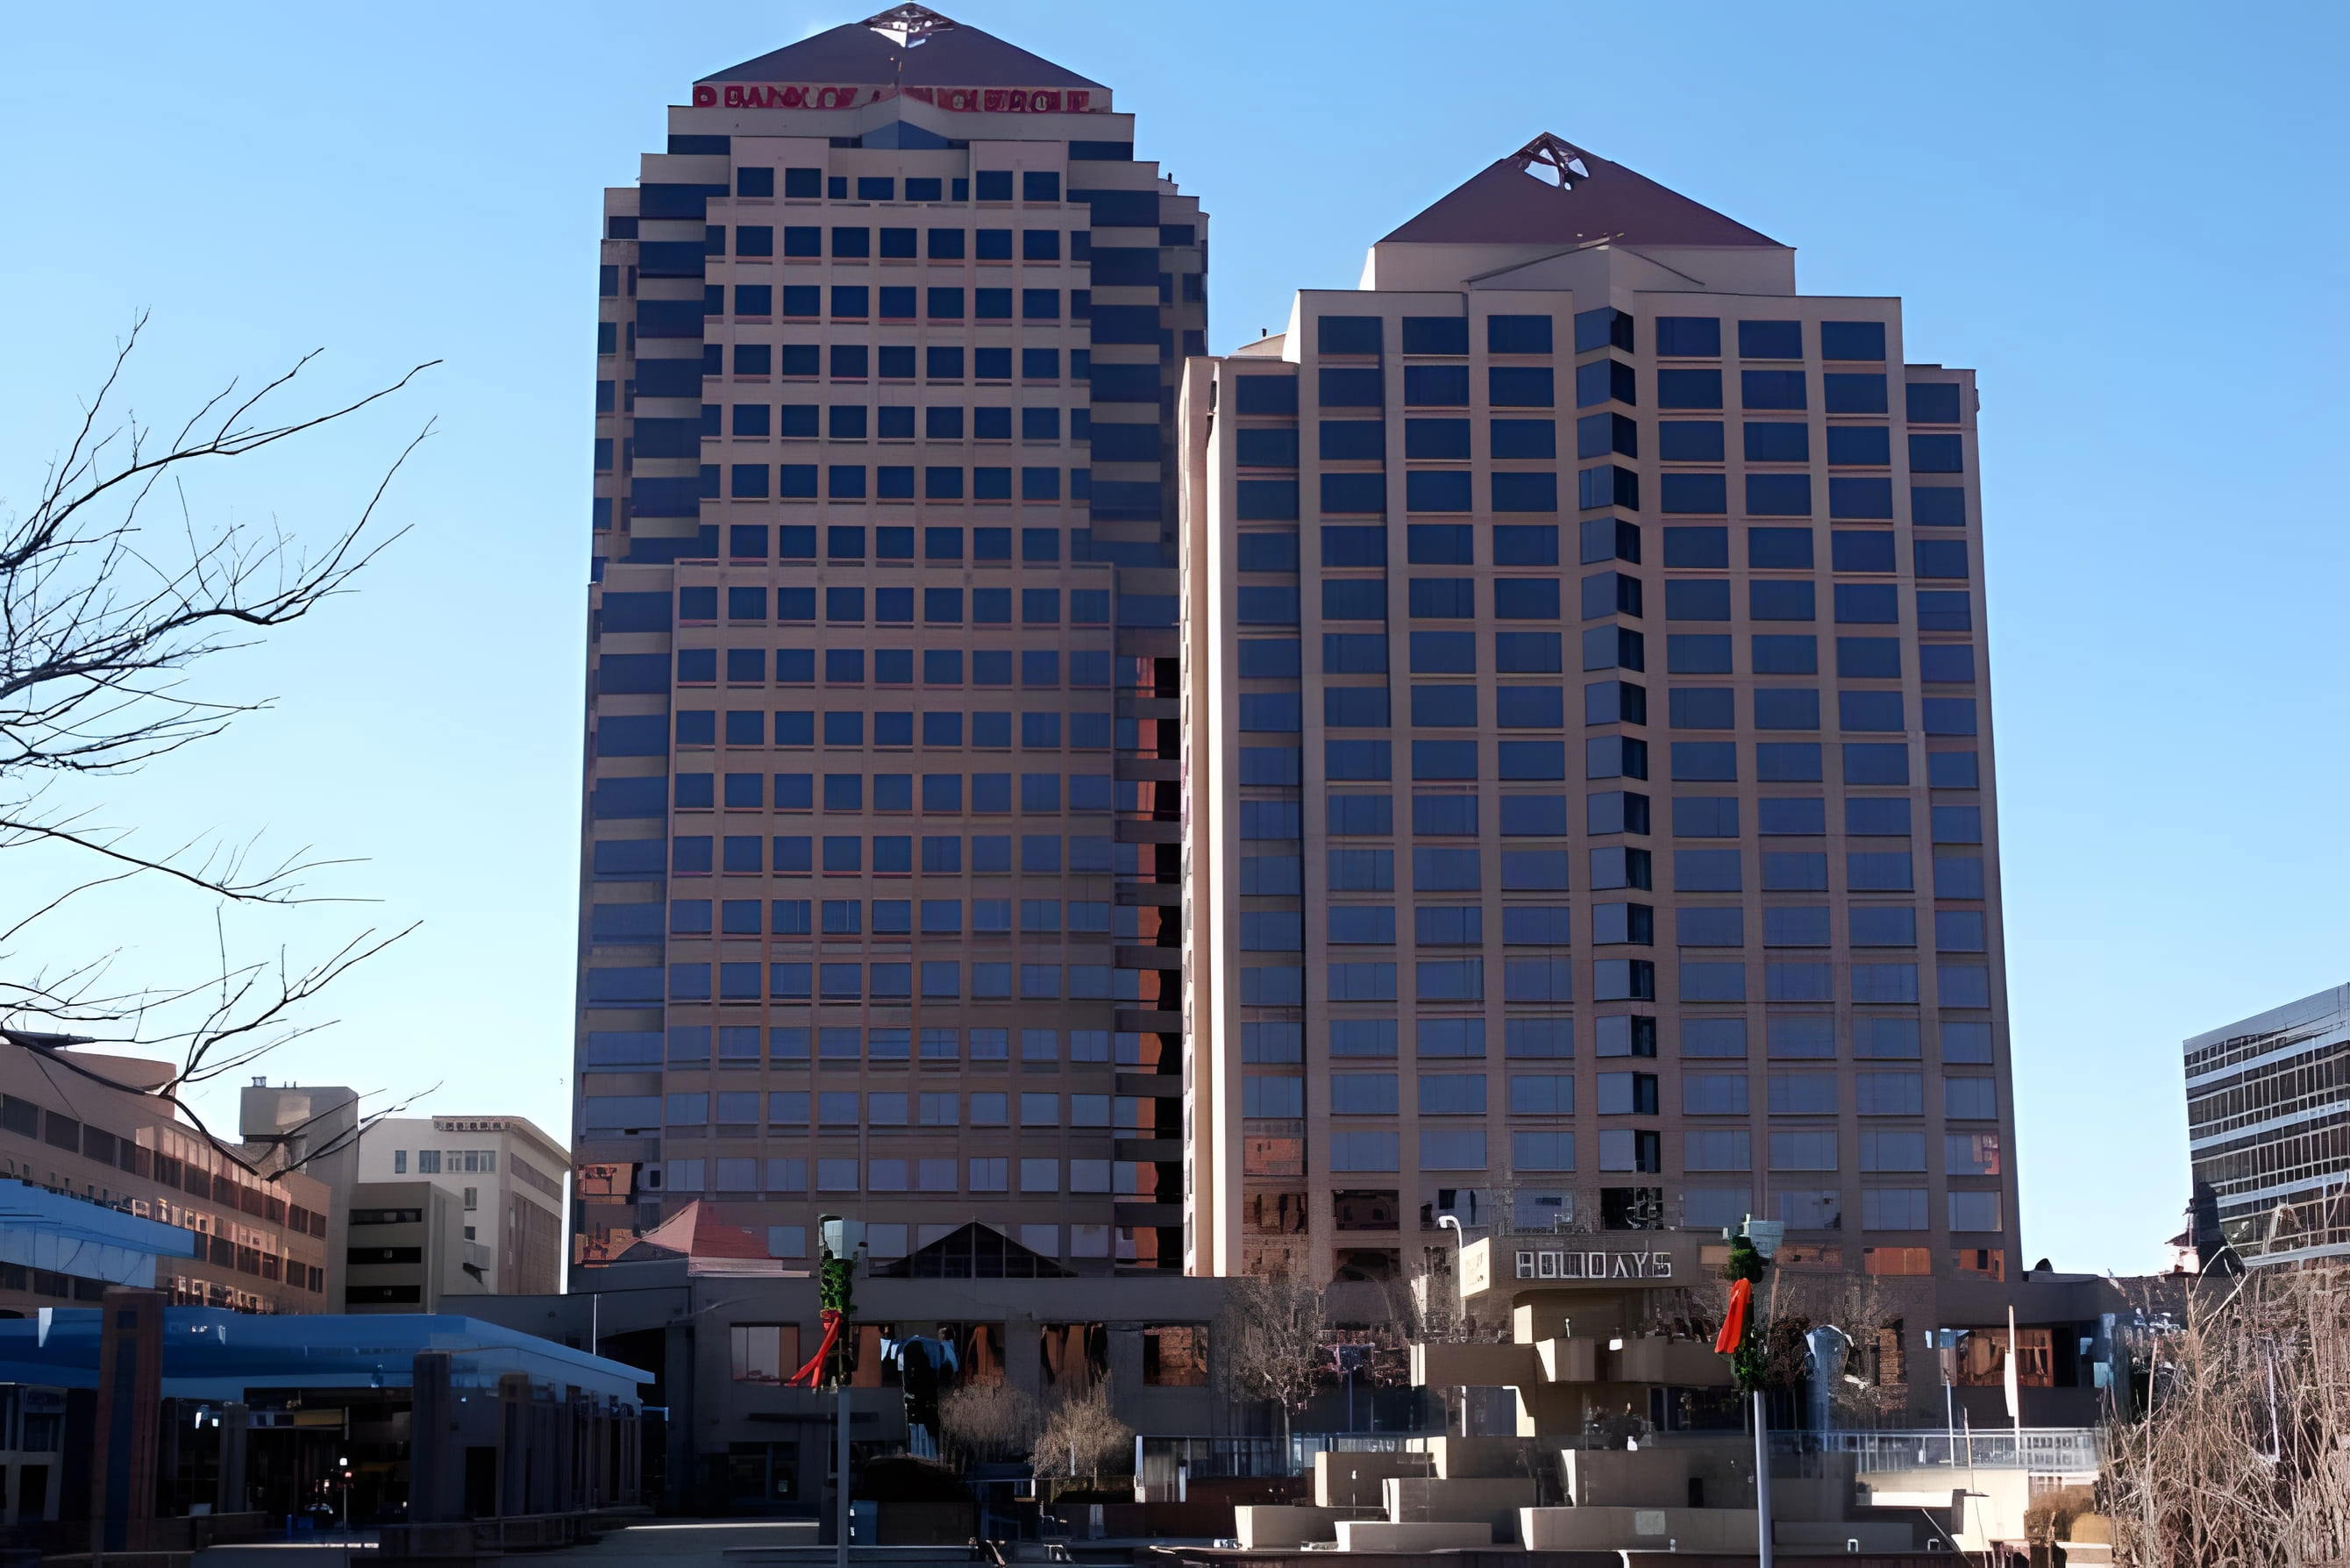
x,y
568,1485
235,1422
513,1443
130,1417
436,1448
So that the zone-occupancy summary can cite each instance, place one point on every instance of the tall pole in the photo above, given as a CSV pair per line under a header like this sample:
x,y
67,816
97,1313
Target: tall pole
x,y
1761,1482
840,1465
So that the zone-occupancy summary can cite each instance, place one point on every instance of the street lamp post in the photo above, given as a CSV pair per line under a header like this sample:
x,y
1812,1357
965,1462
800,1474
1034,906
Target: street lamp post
x,y
1742,1339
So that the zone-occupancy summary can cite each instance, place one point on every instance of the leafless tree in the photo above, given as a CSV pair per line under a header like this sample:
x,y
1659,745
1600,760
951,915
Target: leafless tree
x,y
1082,1435
112,593
1269,1342
2243,1455
986,1422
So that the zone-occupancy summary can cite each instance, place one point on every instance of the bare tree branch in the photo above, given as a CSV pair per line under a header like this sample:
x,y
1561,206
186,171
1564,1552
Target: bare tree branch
x,y
105,612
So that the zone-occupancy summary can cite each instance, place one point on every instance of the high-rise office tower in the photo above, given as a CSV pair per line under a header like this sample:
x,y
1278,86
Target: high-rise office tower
x,y
880,896
1590,751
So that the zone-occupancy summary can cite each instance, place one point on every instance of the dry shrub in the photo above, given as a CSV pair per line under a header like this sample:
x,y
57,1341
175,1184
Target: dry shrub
x,y
2243,1456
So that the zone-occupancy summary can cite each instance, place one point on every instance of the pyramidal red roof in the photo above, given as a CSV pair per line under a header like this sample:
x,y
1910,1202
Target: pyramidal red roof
x,y
907,46
696,1232
1552,192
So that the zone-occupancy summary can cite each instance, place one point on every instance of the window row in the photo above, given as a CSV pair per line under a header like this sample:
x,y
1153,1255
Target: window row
x,y
850,362
848,917
647,735
937,980
1699,337
797,1045
857,421
1709,925
898,1108
1607,757
1459,816
861,302
811,184
650,673
800,855
1628,1149
939,795
980,1174
1787,1035
1610,647
864,243
886,481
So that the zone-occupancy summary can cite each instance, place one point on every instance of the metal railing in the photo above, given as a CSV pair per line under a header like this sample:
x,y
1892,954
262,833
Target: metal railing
x,y
2041,1450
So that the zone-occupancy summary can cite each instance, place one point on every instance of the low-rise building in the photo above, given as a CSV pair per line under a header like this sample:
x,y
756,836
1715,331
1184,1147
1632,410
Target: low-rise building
x,y
103,1182
506,1179
408,1251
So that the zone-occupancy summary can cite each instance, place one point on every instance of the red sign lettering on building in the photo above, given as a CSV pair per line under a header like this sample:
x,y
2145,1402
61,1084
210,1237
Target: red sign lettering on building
x,y
954,99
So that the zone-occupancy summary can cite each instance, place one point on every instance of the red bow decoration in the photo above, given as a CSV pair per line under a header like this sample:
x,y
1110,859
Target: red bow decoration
x,y
1734,1319
812,1372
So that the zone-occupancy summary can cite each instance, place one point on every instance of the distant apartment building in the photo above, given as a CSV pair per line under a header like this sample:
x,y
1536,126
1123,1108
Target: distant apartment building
x,y
2268,1129
882,859
1588,749
497,1213
101,1183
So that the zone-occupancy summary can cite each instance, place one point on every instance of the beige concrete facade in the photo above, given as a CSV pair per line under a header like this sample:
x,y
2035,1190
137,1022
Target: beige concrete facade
x,y
84,1126
506,1178
1597,842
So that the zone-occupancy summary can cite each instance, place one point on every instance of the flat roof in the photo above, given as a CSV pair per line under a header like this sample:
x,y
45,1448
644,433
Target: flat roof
x,y
212,1354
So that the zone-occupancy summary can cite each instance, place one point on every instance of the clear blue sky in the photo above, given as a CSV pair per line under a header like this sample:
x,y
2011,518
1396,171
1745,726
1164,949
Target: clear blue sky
x,y
2127,219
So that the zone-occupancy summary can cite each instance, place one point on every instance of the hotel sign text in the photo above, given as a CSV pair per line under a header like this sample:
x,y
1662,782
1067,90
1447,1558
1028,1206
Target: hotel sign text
x,y
1565,1265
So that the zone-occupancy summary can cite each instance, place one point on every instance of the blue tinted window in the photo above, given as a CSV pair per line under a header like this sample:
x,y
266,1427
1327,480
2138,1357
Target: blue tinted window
x,y
1434,334
1853,393
1788,549
1859,444
1780,600
1690,441
1355,492
1535,438
1523,545
1771,388
1852,340
1867,603
1786,654
1518,334
1689,337
1343,441
1522,386
1346,334
1432,545
1786,708
1689,388
1434,439
1692,654
1347,387
1697,548
1936,454
1864,550
1937,505
1778,441
1265,395
1932,403
1697,600
1769,339
1693,494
